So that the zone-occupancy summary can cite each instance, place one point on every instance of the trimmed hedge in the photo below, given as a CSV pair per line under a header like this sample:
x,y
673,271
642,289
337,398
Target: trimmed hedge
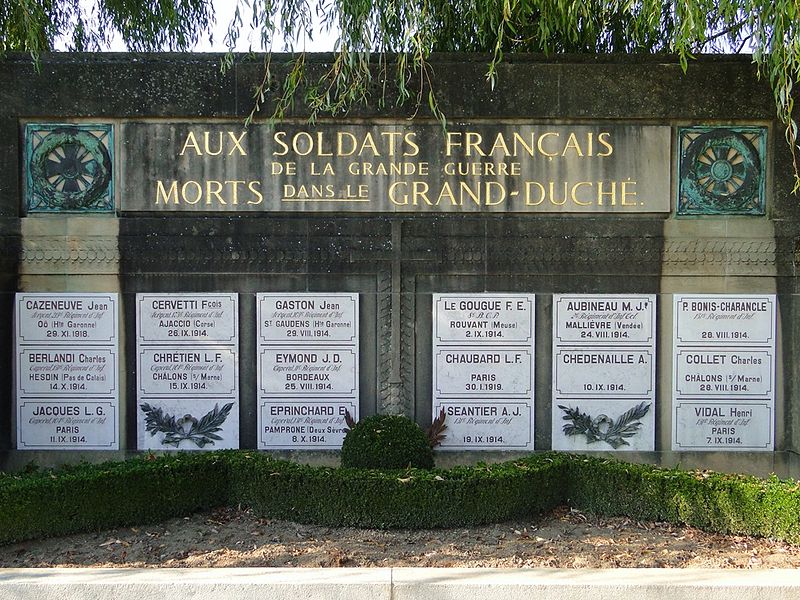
x,y
720,502
411,498
386,442
85,497
92,497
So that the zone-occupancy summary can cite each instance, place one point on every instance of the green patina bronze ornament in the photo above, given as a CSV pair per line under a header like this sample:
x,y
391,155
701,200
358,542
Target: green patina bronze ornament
x,y
201,432
722,171
69,168
602,428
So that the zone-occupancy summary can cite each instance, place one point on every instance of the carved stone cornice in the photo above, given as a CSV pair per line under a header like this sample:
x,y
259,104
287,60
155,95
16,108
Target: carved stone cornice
x,y
720,257
80,255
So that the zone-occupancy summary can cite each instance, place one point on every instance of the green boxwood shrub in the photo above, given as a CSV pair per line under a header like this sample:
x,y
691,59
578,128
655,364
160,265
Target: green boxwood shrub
x,y
93,497
386,442
410,498
719,502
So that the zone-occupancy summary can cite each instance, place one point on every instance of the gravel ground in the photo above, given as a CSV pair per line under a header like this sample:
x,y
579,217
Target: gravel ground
x,y
562,539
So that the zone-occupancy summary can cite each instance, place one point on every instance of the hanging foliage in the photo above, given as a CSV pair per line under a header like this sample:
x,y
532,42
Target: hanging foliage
x,y
387,43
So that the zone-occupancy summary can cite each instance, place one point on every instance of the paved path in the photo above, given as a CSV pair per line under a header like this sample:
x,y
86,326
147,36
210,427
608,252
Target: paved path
x,y
398,584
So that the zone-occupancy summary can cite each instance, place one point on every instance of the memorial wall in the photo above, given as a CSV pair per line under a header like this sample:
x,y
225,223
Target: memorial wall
x,y
598,255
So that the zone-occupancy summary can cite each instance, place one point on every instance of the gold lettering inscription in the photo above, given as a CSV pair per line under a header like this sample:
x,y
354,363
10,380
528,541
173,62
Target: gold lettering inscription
x,y
540,143
548,144
214,144
327,169
306,192
574,193
345,143
601,194
392,168
288,168
480,193
326,193
235,189
482,169
213,189
257,198
209,192
572,143
580,193
473,169
237,143
604,139
191,142
162,195
624,185
191,192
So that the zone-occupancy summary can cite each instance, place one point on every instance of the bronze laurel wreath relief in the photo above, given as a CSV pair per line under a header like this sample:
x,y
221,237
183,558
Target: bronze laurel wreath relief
x,y
69,169
602,428
721,171
201,432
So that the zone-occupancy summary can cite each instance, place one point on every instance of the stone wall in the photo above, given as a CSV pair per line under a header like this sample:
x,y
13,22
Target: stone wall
x,y
396,261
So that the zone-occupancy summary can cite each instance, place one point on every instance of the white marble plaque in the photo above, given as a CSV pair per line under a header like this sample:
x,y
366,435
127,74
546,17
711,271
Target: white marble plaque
x,y
182,371
483,369
314,371
308,372
724,373
67,371
68,425
485,373
186,318
603,372
723,369
303,423
729,426
725,320
187,369
308,318
477,318
59,370
496,425
593,319
67,318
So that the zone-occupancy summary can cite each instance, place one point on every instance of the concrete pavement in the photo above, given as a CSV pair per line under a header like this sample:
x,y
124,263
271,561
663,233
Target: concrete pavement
x,y
398,584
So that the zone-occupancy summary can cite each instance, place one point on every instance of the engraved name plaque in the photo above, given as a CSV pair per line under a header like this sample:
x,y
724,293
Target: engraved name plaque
x,y
483,370
187,370
603,372
307,369
723,372
67,371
